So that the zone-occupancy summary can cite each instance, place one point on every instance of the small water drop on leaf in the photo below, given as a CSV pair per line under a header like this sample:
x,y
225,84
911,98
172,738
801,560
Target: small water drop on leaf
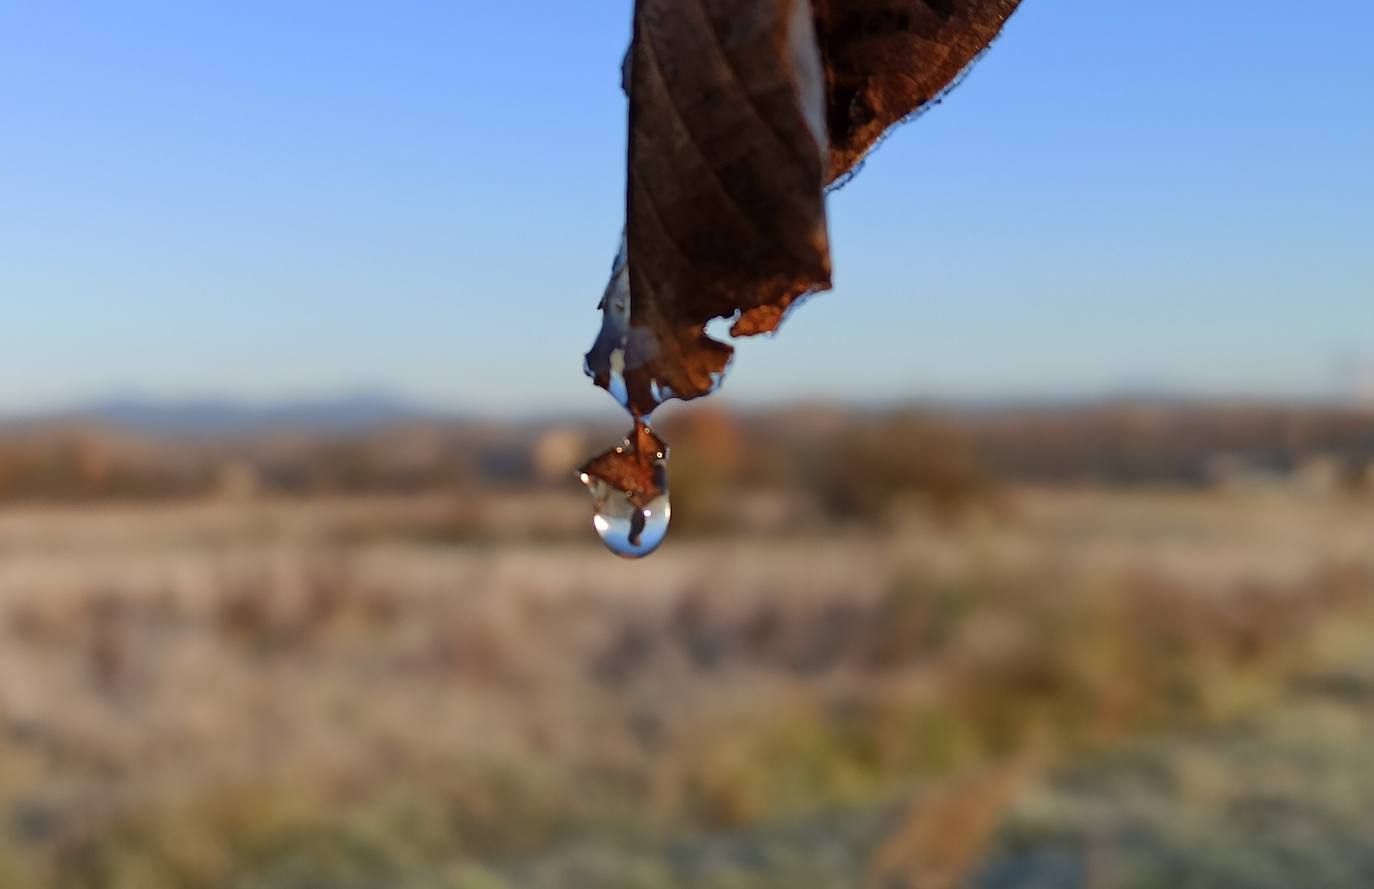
x,y
629,488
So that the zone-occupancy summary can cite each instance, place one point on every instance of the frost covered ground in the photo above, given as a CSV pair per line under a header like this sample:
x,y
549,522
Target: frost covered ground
x,y
1085,689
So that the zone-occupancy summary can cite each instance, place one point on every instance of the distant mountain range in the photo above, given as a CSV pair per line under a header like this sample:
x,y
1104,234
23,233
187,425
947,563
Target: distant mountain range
x,y
365,410
226,417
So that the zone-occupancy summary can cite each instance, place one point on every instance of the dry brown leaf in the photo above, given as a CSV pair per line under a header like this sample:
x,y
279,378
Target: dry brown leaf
x,y
725,211
887,59
742,112
634,468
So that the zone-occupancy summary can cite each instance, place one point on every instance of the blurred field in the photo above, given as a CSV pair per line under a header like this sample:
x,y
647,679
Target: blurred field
x,y
1105,687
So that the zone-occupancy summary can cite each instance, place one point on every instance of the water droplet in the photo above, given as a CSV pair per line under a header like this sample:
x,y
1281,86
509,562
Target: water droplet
x,y
629,488
626,529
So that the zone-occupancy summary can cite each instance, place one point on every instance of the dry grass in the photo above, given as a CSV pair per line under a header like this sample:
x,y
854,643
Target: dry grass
x,y
329,695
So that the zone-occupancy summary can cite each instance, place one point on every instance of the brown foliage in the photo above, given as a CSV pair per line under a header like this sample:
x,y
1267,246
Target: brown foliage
x,y
741,113
634,467
885,59
866,473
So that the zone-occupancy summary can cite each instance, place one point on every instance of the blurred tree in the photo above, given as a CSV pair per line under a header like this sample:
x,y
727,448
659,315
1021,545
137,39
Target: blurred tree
x,y
866,473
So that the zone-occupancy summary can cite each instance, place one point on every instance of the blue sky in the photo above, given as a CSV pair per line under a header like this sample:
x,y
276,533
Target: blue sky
x,y
265,200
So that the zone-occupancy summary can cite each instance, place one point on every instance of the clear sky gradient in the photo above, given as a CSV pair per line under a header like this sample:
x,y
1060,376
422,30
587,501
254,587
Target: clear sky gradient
x,y
268,199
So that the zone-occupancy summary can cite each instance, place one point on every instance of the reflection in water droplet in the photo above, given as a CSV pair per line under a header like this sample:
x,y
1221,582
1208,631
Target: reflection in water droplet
x,y
626,529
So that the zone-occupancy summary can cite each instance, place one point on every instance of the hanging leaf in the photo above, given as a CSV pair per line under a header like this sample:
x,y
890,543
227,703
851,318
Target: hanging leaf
x,y
725,211
741,113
